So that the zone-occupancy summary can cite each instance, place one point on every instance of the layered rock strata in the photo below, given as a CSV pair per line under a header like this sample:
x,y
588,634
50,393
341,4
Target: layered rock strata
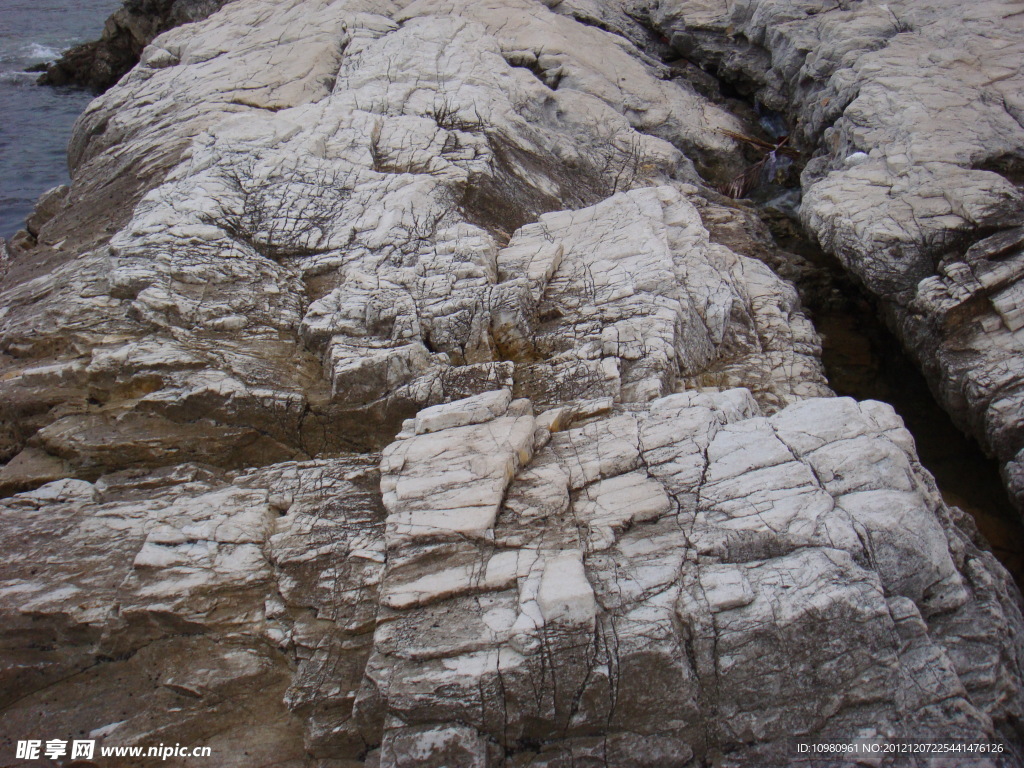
x,y
914,115
388,390
637,585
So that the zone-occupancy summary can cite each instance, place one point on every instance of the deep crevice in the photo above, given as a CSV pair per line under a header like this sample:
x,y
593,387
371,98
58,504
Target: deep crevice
x,y
864,360
861,356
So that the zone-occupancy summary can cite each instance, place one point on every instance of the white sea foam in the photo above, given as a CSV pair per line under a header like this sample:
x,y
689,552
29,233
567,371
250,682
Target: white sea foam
x,y
42,52
17,78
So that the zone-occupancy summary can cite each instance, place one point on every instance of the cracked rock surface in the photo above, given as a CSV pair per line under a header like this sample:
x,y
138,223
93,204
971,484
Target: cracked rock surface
x,y
380,225
388,389
915,116
635,585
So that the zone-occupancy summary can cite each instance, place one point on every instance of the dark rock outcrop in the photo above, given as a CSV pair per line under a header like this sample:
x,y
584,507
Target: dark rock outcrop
x,y
101,63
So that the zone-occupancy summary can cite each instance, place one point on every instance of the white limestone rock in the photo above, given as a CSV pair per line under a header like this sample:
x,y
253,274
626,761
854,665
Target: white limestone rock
x,y
772,576
615,518
915,118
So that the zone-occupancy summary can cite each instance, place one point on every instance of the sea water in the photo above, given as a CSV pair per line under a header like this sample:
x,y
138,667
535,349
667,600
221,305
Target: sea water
x,y
35,121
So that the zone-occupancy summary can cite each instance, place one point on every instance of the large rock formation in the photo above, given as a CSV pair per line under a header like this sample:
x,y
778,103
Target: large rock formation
x,y
915,116
339,246
650,585
388,389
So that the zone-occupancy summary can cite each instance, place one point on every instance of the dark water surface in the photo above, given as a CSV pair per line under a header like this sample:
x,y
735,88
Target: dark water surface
x,y
35,121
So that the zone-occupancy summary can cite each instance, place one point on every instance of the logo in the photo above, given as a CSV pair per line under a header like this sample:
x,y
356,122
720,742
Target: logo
x,y
34,749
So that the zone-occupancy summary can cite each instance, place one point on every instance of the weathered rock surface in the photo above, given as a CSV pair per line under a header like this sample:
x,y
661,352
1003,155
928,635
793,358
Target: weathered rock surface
x,y
631,585
388,390
309,274
915,116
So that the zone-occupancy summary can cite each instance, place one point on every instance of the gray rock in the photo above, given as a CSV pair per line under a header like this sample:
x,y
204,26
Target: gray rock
x,y
914,117
46,208
334,253
712,590
408,401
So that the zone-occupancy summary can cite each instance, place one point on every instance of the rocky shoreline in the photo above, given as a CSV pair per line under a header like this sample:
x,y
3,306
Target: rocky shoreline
x,y
101,63
392,387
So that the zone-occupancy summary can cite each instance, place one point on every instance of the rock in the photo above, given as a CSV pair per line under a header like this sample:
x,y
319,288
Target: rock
x,y
436,747
100,64
745,585
388,390
914,118
30,469
45,209
383,270
184,565
20,241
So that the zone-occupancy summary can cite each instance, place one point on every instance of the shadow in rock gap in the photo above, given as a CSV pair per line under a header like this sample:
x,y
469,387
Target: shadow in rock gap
x,y
861,356
864,360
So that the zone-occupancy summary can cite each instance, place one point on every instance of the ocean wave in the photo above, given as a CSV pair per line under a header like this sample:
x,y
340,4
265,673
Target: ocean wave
x,y
18,78
42,52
